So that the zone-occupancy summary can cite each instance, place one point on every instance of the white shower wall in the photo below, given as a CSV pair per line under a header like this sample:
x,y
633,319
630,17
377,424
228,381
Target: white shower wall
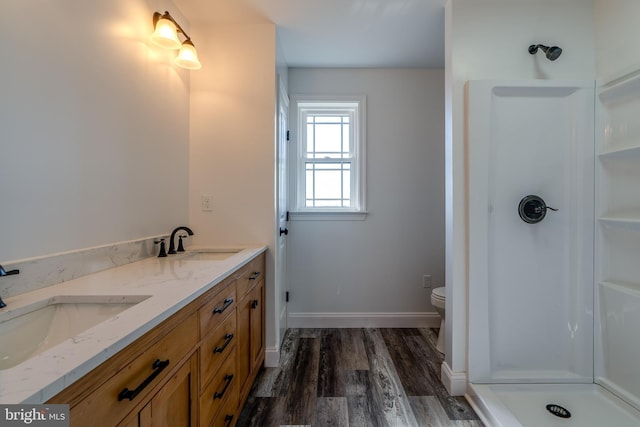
x,y
530,285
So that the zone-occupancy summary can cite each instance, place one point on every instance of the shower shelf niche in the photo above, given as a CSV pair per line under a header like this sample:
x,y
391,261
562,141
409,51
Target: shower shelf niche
x,y
629,222
621,153
630,288
618,237
627,87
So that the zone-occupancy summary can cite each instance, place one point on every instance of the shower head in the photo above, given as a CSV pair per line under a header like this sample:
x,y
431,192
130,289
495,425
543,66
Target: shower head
x,y
552,52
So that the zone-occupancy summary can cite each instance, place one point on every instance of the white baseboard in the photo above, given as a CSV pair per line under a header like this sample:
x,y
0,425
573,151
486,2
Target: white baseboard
x,y
363,320
454,382
272,357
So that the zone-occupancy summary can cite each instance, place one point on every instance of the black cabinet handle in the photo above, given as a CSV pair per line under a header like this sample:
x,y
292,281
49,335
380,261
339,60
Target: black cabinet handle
x,y
228,418
255,275
158,366
254,303
227,303
284,231
218,394
228,338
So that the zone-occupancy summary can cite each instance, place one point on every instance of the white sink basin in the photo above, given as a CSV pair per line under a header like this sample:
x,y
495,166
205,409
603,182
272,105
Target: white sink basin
x,y
209,254
30,330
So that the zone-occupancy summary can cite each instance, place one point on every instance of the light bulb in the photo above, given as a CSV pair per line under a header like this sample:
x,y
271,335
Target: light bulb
x,y
188,57
166,34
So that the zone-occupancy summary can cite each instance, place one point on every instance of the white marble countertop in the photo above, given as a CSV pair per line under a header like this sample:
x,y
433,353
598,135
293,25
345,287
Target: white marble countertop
x,y
170,284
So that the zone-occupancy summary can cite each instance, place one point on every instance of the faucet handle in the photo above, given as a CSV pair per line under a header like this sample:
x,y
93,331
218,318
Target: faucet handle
x,y
180,246
3,272
163,251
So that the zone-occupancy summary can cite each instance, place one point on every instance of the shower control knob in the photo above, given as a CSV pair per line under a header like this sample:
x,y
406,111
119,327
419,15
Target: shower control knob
x,y
532,209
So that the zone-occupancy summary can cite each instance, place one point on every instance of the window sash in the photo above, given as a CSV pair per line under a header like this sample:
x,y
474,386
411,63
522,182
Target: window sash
x,y
349,114
307,194
343,130
338,195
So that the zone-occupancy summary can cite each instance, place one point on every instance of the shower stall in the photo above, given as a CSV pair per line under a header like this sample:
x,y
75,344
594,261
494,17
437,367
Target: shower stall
x,y
549,227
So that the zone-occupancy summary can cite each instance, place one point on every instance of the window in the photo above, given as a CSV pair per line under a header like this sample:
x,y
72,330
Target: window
x,y
328,156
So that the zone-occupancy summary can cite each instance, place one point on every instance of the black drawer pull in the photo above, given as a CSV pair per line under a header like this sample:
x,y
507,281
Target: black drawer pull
x,y
255,275
227,303
228,338
218,394
158,366
254,303
228,418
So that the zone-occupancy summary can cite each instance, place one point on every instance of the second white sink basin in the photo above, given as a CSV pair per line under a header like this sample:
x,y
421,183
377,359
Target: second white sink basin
x,y
33,329
209,254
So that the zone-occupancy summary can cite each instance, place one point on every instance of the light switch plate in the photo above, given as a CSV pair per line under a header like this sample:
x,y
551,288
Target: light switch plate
x,y
207,203
426,281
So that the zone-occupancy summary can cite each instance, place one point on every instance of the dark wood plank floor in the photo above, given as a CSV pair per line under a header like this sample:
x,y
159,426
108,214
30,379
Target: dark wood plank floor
x,y
356,377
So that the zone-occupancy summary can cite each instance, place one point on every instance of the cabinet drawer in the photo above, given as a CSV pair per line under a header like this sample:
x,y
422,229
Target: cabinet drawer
x,y
218,308
249,275
216,347
103,403
222,389
228,414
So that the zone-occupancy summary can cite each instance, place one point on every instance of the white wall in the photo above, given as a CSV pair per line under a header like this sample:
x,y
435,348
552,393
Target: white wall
x,y
617,35
282,69
232,145
376,265
94,120
489,40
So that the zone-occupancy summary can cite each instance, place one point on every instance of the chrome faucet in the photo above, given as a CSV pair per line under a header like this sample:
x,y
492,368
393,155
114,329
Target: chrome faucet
x,y
3,273
172,246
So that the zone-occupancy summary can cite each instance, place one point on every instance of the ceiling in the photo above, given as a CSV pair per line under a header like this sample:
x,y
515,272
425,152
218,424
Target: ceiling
x,y
339,33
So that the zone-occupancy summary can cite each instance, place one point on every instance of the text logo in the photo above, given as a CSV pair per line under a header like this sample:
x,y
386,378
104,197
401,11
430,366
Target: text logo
x,y
34,415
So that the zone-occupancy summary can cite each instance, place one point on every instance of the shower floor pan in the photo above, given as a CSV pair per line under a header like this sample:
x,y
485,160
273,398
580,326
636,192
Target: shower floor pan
x,y
525,405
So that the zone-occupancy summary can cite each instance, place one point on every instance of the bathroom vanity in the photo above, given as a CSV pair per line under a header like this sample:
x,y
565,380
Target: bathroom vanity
x,y
186,355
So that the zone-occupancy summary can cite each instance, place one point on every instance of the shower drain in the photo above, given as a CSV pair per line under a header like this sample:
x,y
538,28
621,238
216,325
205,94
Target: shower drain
x,y
558,411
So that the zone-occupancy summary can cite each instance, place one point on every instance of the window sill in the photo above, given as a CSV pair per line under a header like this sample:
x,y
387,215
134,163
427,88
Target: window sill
x,y
328,216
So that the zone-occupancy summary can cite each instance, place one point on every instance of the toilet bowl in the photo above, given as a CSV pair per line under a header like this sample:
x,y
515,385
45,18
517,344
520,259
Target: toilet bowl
x,y
438,302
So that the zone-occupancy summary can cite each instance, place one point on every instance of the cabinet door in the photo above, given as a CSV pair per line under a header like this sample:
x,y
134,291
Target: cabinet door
x,y
174,404
256,326
243,367
250,337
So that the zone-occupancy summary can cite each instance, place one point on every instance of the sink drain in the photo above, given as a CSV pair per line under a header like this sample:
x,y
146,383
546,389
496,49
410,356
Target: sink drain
x,y
558,411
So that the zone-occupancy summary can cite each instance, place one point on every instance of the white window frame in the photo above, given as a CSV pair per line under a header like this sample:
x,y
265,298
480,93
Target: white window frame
x,y
301,107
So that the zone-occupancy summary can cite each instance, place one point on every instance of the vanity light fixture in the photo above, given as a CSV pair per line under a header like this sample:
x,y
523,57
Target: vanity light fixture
x,y
165,35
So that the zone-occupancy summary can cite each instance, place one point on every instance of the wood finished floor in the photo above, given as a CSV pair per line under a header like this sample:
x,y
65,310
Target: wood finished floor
x,y
356,377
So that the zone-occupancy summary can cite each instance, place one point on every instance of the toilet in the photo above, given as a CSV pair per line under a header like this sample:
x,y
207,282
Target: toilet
x,y
438,302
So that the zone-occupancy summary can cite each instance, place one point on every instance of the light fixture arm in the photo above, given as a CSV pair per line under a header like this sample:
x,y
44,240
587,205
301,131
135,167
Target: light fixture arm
x,y
157,16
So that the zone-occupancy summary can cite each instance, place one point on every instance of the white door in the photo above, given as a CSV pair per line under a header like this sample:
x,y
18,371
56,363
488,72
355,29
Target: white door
x,y
281,250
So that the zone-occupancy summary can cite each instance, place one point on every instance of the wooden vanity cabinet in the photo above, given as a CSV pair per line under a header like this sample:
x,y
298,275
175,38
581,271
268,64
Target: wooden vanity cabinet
x,y
214,347
251,340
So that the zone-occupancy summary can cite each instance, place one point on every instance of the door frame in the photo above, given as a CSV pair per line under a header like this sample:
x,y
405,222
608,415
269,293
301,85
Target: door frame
x,y
282,206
